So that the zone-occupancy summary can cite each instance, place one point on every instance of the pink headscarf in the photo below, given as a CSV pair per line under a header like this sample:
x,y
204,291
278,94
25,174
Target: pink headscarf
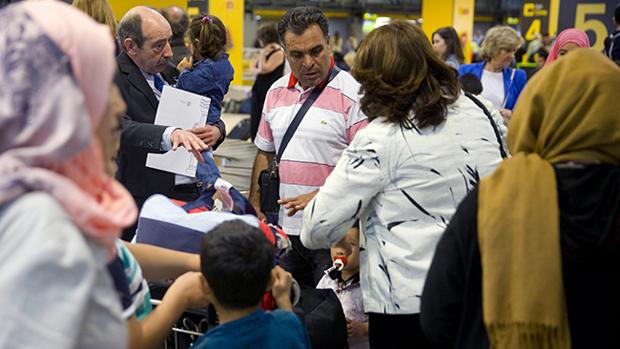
x,y
570,35
50,110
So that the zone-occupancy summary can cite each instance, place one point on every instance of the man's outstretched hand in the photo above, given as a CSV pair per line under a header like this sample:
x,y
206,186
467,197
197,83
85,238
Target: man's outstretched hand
x,y
297,203
190,141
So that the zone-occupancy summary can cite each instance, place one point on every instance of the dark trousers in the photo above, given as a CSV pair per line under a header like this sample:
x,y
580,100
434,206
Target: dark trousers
x,y
183,192
396,331
306,266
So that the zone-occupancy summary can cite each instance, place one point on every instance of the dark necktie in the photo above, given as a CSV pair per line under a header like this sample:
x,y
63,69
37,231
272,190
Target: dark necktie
x,y
159,83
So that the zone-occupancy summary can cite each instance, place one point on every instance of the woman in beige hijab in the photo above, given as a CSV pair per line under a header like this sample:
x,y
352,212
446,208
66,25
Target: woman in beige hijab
x,y
531,259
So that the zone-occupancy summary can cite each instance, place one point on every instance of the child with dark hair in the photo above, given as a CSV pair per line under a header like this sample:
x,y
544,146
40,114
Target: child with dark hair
x,y
209,71
236,261
471,83
541,57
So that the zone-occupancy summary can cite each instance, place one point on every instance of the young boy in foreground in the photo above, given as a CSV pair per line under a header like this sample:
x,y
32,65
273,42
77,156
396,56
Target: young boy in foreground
x,y
237,264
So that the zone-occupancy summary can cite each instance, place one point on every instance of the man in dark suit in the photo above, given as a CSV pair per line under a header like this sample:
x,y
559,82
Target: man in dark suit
x,y
145,35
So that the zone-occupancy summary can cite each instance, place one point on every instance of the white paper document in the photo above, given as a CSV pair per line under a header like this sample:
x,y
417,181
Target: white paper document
x,y
184,110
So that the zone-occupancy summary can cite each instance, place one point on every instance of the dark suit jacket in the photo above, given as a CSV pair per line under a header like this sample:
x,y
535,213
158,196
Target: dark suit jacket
x,y
139,136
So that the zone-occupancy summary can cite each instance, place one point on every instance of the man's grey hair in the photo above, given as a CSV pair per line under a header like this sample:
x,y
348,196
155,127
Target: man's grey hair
x,y
298,19
130,26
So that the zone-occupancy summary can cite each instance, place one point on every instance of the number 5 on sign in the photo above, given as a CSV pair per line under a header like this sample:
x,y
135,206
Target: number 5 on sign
x,y
598,27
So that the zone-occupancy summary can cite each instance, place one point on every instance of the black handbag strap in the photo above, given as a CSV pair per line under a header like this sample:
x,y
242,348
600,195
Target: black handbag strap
x,y
302,111
502,151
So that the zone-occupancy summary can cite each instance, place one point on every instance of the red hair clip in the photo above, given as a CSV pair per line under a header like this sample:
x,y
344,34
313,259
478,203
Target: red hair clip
x,y
206,18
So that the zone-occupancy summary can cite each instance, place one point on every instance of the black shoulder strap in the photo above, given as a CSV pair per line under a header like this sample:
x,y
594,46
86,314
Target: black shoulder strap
x,y
302,111
502,151
272,52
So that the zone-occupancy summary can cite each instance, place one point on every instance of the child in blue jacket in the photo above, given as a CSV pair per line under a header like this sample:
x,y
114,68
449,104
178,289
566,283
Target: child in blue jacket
x,y
210,73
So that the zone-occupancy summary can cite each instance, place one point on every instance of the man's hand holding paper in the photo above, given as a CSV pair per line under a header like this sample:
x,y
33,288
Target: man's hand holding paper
x,y
187,112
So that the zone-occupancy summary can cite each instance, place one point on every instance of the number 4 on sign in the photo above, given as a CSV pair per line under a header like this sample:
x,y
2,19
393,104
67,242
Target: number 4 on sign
x,y
532,30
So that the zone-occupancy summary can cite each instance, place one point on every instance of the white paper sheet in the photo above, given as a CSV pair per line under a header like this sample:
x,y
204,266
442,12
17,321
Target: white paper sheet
x,y
184,110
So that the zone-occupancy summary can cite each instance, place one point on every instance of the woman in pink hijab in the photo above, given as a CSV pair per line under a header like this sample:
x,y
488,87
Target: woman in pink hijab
x,y
568,40
60,209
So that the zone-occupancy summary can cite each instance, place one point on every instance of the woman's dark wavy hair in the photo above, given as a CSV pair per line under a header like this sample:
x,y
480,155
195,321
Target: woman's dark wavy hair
x,y
453,42
400,74
208,35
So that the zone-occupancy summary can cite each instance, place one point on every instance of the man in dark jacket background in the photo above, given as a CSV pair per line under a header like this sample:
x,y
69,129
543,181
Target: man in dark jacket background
x,y
612,42
179,23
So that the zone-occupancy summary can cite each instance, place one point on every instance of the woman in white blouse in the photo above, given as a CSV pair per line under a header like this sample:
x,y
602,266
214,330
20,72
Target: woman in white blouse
x,y
403,176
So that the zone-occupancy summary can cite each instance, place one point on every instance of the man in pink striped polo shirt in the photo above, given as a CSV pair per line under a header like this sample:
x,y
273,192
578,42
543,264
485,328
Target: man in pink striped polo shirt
x,y
325,131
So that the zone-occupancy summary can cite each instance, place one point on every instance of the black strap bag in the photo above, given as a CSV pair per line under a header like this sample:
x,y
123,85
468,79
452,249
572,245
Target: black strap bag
x,y
269,179
502,151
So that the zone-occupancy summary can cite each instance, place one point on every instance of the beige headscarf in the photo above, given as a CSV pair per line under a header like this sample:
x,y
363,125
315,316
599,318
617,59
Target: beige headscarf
x,y
568,111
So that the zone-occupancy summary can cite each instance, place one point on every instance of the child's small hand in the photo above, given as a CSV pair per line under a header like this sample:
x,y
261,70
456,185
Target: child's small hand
x,y
189,288
281,288
208,134
185,63
506,113
357,328
282,284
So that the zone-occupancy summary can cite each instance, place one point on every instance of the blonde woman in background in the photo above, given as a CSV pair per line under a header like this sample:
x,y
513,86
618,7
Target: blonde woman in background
x,y
101,12
501,84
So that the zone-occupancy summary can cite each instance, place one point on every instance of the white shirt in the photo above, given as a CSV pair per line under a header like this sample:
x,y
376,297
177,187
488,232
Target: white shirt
x,y
150,79
493,88
404,185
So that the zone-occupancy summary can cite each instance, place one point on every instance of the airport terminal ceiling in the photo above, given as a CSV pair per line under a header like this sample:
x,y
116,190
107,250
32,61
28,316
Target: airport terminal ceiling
x,y
493,8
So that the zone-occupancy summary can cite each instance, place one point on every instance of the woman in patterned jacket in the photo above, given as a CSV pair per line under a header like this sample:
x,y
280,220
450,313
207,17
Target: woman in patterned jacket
x,y
426,147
